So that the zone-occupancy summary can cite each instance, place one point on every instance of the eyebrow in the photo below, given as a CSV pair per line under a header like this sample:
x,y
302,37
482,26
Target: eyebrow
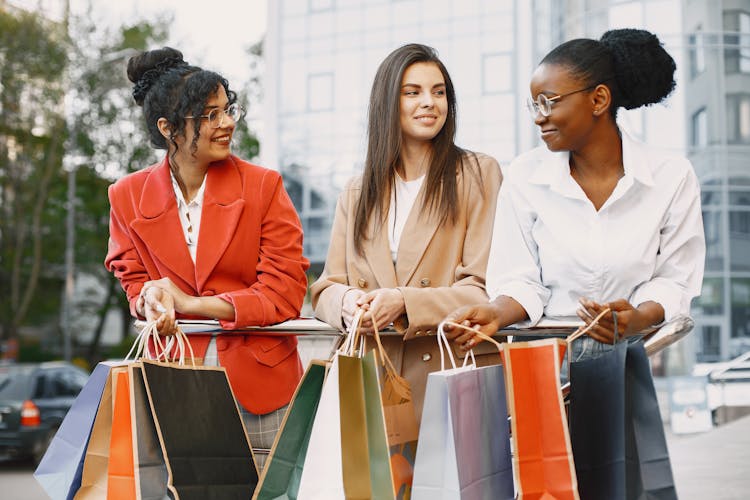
x,y
419,86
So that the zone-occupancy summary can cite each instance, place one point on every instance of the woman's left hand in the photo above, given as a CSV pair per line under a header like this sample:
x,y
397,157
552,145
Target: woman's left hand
x,y
182,300
629,319
383,307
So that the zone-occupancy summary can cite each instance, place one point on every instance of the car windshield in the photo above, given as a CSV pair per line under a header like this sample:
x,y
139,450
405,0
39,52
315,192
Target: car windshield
x,y
15,381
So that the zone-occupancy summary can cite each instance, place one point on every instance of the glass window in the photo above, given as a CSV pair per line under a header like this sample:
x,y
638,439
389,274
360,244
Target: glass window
x,y
320,92
697,53
739,239
699,129
711,300
738,118
318,5
741,307
711,340
737,41
497,73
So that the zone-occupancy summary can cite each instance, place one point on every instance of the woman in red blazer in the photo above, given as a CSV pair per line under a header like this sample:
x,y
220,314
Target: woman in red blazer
x,y
204,234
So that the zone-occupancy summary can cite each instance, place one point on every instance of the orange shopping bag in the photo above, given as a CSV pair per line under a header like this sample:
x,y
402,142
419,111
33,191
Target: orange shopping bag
x,y
542,455
121,471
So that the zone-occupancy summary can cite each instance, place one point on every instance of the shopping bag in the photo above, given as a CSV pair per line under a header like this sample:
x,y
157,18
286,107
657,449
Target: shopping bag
x,y
60,470
120,471
464,449
616,429
322,477
281,475
151,475
543,459
201,433
96,460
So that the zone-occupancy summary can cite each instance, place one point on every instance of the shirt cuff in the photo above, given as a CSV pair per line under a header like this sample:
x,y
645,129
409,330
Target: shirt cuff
x,y
524,295
662,293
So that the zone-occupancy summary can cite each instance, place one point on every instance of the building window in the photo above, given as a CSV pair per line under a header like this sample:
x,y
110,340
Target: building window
x,y
711,340
699,129
738,118
320,5
737,41
320,92
497,73
697,53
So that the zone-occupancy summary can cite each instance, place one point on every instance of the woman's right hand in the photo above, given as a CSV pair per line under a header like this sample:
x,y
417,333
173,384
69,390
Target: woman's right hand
x,y
349,305
157,304
484,317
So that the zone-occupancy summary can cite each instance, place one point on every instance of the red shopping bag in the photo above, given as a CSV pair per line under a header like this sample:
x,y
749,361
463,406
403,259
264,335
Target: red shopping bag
x,y
121,470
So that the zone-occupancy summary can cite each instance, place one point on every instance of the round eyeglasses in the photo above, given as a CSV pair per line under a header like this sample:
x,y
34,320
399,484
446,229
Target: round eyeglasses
x,y
216,116
543,104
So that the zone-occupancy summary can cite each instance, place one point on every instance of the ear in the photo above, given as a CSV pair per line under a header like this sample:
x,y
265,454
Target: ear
x,y
602,99
164,127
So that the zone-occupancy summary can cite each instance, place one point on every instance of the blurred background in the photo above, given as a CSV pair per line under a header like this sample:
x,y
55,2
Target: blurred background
x,y
69,127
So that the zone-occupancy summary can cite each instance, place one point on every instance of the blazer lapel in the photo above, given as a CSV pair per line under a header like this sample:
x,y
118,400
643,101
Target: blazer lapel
x,y
158,224
415,238
222,207
378,254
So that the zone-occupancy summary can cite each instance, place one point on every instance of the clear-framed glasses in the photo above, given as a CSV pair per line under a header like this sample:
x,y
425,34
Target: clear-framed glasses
x,y
216,116
543,104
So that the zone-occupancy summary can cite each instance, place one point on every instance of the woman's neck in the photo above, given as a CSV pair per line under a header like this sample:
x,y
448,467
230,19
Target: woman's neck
x,y
414,160
189,174
600,158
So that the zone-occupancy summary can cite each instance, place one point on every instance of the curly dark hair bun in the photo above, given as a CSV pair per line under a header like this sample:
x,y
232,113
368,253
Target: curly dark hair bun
x,y
643,69
147,67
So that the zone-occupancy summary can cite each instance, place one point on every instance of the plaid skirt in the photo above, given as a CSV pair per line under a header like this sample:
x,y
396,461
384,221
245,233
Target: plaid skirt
x,y
261,429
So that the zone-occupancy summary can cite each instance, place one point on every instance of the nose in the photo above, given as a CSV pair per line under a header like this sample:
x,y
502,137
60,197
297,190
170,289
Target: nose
x,y
226,116
539,118
427,100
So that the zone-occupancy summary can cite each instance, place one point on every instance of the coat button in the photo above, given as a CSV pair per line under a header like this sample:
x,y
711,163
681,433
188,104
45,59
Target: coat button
x,y
424,282
361,282
426,356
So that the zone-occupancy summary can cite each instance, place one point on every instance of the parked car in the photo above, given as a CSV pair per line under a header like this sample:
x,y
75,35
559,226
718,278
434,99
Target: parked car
x,y
34,399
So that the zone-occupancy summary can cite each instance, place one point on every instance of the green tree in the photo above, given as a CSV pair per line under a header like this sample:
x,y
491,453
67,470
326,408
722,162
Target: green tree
x,y
33,60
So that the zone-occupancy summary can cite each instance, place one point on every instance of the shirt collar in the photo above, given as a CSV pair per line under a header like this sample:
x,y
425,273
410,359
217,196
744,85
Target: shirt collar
x,y
554,170
197,201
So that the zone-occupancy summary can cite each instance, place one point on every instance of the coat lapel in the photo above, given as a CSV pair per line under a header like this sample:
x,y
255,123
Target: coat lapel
x,y
222,207
158,224
416,236
378,255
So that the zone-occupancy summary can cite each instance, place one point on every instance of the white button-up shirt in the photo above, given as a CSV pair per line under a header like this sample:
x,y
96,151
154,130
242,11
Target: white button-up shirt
x,y
550,246
190,214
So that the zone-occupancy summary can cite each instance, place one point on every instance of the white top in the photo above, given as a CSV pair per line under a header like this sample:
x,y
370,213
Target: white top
x,y
550,246
190,214
402,200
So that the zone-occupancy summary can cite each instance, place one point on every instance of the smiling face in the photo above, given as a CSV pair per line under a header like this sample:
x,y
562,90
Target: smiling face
x,y
423,103
572,119
214,144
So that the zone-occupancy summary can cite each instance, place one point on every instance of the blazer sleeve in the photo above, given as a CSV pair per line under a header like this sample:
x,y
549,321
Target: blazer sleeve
x,y
278,293
329,289
122,258
426,307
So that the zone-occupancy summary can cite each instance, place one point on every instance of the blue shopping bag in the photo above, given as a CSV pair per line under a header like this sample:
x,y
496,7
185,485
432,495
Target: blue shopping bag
x,y
59,473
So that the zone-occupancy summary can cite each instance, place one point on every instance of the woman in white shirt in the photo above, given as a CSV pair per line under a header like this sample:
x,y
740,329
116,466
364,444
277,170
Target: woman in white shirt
x,y
410,241
596,219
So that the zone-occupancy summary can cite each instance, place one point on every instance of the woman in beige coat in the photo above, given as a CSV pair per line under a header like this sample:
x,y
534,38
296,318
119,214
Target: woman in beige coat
x,y
411,236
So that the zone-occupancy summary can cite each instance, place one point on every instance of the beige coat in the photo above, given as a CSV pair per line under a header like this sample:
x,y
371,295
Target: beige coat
x,y
438,269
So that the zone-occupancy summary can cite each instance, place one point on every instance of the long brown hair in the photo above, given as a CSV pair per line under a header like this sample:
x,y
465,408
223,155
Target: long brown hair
x,y
384,142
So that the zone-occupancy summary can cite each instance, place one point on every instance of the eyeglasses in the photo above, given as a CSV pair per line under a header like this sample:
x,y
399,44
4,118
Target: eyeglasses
x,y
543,104
216,116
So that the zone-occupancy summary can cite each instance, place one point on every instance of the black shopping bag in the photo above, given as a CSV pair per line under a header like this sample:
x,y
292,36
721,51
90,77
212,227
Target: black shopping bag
x,y
202,437
616,431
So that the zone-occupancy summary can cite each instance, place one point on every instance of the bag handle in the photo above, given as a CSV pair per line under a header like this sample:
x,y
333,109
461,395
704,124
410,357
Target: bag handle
x,y
585,328
163,347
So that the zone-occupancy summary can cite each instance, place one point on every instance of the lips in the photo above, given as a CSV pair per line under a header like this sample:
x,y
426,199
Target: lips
x,y
428,119
223,140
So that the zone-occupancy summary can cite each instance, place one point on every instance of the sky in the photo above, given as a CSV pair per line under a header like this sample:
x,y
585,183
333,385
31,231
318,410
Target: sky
x,y
214,38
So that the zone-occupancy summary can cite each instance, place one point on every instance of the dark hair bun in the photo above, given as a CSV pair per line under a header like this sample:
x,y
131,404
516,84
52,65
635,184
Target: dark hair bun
x,y
643,69
146,68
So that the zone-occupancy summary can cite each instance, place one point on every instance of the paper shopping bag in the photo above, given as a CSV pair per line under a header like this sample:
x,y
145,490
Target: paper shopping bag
x,y
202,436
463,451
281,475
543,459
96,460
151,475
121,471
60,470
618,439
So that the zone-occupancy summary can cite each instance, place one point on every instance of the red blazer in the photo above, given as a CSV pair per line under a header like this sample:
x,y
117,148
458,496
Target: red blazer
x,y
249,254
